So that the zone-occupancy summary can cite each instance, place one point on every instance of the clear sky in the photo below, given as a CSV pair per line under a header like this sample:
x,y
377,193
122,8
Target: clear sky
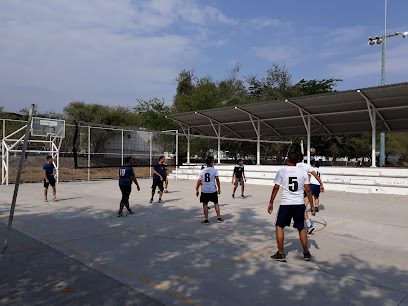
x,y
113,52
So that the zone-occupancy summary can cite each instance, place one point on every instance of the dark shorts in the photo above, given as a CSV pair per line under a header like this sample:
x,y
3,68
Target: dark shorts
x,y
51,182
239,180
288,212
157,183
315,190
126,190
209,197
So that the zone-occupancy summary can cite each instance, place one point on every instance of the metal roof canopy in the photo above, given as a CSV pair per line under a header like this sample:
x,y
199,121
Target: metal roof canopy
x,y
383,109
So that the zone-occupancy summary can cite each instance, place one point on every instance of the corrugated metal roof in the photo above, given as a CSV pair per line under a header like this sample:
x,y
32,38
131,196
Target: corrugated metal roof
x,y
341,112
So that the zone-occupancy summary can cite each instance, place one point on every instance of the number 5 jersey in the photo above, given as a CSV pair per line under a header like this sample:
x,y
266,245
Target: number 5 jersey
x,y
292,179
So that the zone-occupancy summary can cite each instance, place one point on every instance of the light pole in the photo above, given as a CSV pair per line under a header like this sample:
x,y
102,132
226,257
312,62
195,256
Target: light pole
x,y
382,40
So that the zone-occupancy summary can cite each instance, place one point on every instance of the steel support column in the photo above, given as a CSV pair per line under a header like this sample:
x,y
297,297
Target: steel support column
x,y
258,144
308,139
373,139
219,143
188,145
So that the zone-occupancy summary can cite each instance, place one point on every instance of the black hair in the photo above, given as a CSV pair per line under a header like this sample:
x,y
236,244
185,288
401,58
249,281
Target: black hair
x,y
316,164
293,157
128,159
209,160
240,160
300,157
160,158
49,157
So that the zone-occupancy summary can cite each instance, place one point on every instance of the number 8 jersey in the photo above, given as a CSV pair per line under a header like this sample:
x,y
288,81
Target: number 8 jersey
x,y
207,177
292,179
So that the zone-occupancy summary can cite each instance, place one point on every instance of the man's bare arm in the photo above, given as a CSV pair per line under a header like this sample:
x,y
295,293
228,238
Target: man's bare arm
x,y
310,197
218,184
318,179
135,181
273,196
198,186
45,175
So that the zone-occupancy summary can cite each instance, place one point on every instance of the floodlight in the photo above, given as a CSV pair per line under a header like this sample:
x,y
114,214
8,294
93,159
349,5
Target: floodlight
x,y
404,34
371,42
379,41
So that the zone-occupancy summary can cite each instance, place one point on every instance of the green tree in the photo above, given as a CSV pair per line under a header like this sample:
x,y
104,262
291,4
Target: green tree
x,y
153,114
96,113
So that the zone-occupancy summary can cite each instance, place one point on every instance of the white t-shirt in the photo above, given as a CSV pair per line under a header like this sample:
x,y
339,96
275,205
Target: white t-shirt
x,y
207,176
306,167
313,179
293,180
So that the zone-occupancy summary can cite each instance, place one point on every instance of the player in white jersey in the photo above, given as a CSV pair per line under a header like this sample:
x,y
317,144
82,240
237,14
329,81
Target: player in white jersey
x,y
209,180
315,185
309,170
294,182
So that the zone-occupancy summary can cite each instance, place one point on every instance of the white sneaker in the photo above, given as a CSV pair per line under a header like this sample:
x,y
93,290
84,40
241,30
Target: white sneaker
x,y
54,199
45,200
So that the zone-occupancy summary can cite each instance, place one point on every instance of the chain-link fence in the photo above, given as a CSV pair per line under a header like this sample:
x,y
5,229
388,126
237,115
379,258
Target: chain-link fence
x,y
99,151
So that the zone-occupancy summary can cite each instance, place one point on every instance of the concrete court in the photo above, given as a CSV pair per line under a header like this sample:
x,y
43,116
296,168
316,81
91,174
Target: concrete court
x,y
163,254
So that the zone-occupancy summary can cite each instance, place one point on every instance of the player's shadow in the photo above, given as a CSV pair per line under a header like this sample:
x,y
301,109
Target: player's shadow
x,y
321,207
170,200
67,199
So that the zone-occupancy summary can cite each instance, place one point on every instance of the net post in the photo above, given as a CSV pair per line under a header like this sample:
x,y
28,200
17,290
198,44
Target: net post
x,y
89,152
20,168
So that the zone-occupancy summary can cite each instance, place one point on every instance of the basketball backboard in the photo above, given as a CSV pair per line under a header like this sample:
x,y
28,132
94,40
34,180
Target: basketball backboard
x,y
44,127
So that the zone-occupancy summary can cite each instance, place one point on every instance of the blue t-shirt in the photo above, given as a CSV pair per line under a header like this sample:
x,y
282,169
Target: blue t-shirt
x,y
49,170
125,172
160,169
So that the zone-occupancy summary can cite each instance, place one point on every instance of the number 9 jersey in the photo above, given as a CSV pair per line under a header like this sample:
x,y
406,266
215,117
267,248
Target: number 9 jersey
x,y
292,179
207,177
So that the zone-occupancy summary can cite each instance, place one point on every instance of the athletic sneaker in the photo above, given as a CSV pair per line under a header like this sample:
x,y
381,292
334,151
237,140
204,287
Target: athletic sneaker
x,y
120,214
205,222
317,209
130,212
310,230
45,200
54,199
219,220
151,200
279,257
166,191
242,196
233,196
307,256
160,201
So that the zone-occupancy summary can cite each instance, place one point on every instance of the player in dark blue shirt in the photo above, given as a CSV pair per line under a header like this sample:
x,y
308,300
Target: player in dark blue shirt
x,y
126,177
239,178
159,175
48,173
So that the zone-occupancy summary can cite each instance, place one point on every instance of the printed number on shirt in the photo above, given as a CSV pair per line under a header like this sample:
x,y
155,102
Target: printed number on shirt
x,y
207,178
122,172
293,184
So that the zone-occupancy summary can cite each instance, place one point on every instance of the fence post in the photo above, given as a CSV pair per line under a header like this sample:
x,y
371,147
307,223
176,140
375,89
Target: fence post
x,y
151,149
89,153
122,150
